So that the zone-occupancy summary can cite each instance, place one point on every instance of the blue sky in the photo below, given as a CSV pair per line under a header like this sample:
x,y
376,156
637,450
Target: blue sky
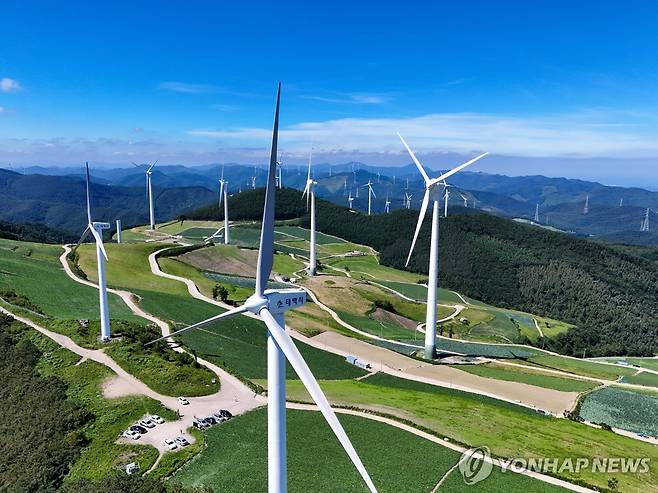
x,y
193,82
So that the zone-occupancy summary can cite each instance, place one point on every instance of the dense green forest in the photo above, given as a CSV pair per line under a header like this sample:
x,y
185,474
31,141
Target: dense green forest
x,y
33,232
38,425
608,291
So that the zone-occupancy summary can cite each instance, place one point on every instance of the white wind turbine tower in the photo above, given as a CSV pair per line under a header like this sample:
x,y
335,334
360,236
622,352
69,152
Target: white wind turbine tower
x,y
149,193
645,224
271,305
96,229
387,205
310,202
586,209
537,214
371,194
446,198
465,199
431,193
407,200
350,199
223,195
253,179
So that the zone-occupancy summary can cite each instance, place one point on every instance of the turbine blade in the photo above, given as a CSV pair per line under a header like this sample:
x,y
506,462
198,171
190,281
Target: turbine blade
x,y
266,247
296,360
88,198
421,217
85,233
458,168
227,314
309,165
152,166
99,241
221,190
415,159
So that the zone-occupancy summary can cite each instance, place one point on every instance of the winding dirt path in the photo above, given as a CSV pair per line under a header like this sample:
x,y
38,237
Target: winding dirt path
x,y
233,394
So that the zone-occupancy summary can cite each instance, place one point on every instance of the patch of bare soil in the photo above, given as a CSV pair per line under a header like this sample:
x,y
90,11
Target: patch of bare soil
x,y
237,262
382,315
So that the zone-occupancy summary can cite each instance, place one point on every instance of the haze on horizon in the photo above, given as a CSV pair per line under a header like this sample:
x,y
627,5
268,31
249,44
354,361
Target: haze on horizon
x,y
558,90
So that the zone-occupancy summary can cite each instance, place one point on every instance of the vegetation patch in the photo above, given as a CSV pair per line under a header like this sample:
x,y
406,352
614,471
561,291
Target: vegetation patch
x,y
621,408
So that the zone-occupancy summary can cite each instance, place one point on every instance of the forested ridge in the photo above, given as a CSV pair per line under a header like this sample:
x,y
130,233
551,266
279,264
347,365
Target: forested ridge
x,y
33,232
609,292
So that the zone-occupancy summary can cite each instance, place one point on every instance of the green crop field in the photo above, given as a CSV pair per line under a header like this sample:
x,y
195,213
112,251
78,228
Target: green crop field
x,y
305,234
621,408
523,375
644,378
236,458
368,267
197,234
648,363
34,270
509,430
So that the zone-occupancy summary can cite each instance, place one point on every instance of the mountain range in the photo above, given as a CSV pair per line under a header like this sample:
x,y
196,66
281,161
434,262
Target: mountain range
x,y
614,213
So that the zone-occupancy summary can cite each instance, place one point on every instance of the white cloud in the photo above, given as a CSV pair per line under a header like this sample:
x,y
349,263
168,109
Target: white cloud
x,y
351,98
187,88
9,85
585,134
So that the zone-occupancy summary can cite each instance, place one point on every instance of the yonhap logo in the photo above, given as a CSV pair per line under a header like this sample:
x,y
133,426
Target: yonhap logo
x,y
475,465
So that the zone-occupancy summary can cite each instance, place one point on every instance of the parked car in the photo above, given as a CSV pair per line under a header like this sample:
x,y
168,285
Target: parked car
x,y
200,423
225,413
134,435
138,429
183,401
171,445
210,420
147,423
182,441
156,419
219,417
131,468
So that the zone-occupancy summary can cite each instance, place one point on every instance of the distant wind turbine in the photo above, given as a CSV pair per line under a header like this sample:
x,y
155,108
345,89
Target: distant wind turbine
x,y
446,197
149,194
432,193
387,205
350,199
537,214
465,199
407,200
96,229
310,203
371,194
271,305
586,209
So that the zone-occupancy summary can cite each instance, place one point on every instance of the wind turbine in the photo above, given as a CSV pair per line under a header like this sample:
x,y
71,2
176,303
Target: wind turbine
x,y
537,214
371,194
432,193
310,200
223,195
407,200
350,199
253,179
465,200
446,196
149,193
645,224
96,229
586,209
271,305
387,205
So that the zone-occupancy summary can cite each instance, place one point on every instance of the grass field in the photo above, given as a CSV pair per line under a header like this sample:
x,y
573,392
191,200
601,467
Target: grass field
x,y
509,430
648,363
236,458
621,408
305,234
504,372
